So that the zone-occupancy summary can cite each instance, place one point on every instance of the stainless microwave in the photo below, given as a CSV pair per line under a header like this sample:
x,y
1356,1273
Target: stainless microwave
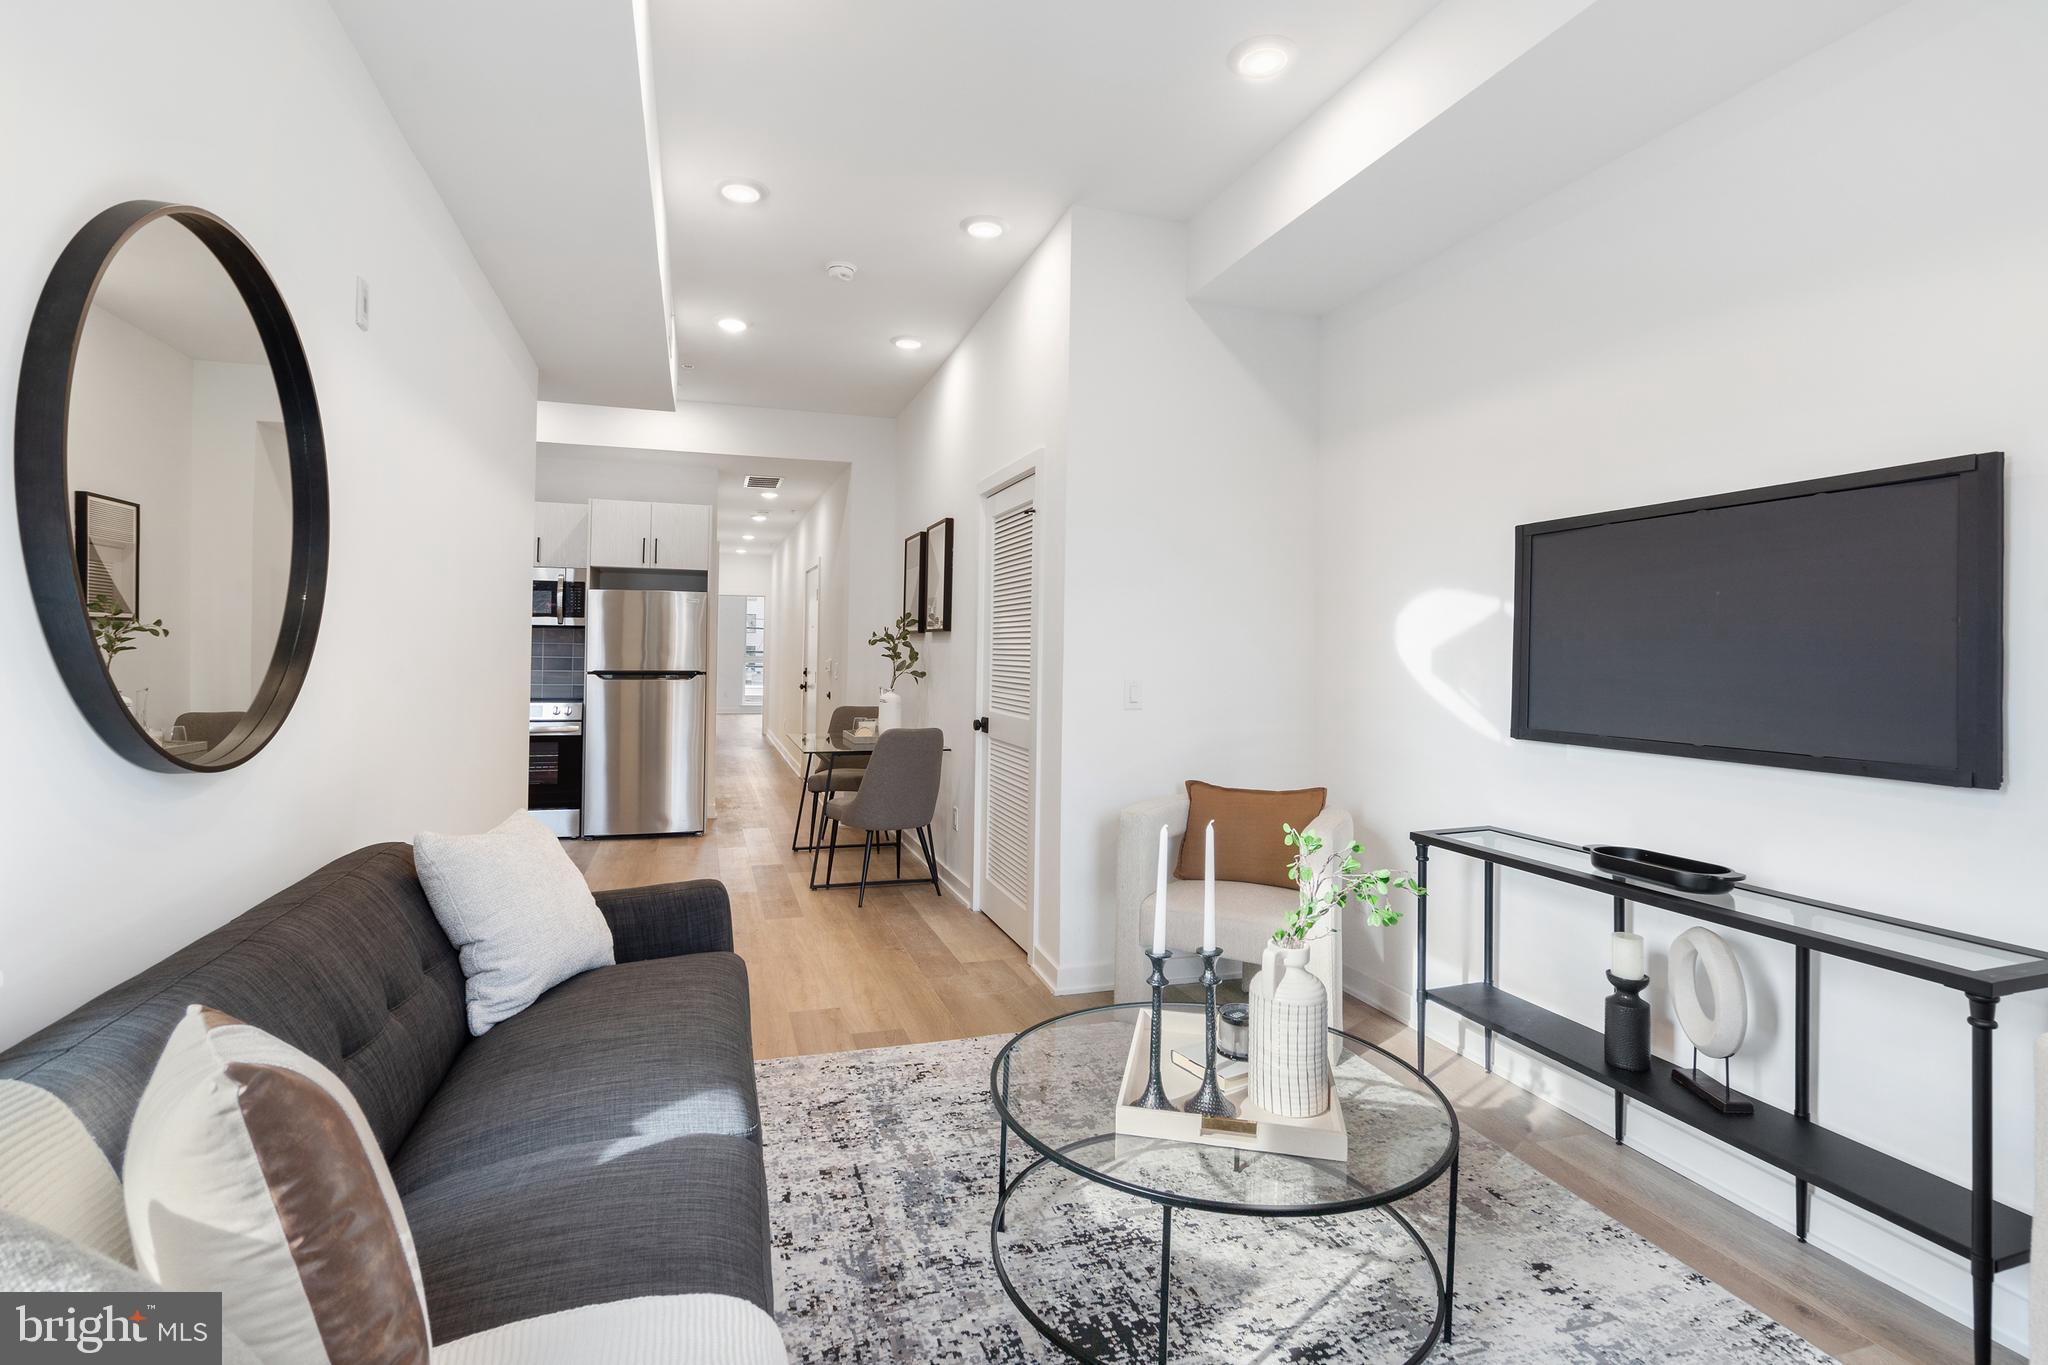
x,y
558,597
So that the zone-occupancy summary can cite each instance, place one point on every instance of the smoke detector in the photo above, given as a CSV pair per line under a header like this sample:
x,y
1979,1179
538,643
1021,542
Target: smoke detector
x,y
841,271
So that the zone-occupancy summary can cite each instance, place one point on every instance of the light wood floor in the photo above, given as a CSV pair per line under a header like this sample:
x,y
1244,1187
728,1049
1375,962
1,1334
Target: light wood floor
x,y
910,967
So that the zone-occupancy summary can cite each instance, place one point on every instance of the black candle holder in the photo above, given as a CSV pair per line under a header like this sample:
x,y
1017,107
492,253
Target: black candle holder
x,y
1628,1025
1209,1099
1155,1090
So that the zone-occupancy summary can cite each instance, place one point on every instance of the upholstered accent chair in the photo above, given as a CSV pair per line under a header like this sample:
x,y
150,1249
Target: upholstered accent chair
x,y
899,793
842,774
1246,913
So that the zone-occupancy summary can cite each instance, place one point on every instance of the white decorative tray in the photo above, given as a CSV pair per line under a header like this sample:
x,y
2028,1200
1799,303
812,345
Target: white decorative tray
x,y
1322,1138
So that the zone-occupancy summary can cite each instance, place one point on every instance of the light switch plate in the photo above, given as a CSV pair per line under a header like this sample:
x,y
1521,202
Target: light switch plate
x,y
1134,696
362,303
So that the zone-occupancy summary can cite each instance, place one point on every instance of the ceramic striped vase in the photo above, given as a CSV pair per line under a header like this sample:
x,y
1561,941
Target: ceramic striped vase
x,y
1290,1020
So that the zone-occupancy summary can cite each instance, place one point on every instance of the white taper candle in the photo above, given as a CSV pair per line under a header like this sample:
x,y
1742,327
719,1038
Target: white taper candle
x,y
1209,888
1159,900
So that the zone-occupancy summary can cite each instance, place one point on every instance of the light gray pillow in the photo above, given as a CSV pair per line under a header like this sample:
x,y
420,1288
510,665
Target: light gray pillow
x,y
517,910
33,1258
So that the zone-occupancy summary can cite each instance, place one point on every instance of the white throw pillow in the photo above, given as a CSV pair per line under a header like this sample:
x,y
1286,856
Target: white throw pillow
x,y
518,911
251,1170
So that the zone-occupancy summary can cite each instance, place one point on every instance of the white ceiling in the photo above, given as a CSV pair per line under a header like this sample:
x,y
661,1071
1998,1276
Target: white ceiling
x,y
528,115
876,127
166,282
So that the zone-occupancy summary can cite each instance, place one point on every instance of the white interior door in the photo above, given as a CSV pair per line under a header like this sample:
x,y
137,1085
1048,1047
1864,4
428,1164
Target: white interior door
x,y
809,683
1006,795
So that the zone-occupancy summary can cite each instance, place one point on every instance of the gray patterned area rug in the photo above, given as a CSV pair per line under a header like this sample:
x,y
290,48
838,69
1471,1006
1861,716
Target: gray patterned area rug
x,y
881,1169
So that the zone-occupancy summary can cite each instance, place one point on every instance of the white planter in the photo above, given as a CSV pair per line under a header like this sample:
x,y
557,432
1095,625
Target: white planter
x,y
1289,1027
889,712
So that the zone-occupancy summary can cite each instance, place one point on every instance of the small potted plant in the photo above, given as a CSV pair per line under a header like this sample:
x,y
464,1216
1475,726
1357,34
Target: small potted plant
x,y
1290,1055
114,631
900,650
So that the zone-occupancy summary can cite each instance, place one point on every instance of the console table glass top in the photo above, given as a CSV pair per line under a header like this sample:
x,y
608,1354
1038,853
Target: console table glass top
x,y
826,745
1960,960
1056,1085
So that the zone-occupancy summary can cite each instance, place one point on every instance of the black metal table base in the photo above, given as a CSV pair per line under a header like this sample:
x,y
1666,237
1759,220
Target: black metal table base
x,y
1441,1273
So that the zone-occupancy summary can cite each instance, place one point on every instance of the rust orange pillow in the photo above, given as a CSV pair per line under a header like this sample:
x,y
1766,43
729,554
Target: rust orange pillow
x,y
1248,846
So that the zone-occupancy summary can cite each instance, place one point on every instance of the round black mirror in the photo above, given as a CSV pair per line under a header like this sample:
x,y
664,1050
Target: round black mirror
x,y
171,484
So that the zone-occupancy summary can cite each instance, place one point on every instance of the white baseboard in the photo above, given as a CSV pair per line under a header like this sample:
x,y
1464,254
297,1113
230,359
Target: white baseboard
x,y
1079,979
1886,1253
788,754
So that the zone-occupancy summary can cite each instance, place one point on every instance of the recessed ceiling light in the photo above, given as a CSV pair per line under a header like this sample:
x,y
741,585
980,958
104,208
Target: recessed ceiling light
x,y
1261,59
732,326
983,227
760,516
746,537
739,552
908,344
741,192
770,494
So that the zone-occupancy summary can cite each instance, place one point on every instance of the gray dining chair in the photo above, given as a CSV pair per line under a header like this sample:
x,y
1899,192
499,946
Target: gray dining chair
x,y
839,774
899,792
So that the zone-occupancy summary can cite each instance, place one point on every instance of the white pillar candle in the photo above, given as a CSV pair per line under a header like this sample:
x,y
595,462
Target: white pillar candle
x,y
1209,888
1159,901
1628,957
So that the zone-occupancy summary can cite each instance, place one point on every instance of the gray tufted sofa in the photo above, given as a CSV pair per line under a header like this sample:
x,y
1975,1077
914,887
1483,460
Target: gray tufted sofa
x,y
603,1145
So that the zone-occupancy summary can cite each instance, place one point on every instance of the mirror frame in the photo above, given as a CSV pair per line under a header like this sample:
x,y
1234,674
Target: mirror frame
x,y
42,484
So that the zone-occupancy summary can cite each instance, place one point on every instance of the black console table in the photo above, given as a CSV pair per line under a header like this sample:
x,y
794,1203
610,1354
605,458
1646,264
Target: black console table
x,y
1966,1221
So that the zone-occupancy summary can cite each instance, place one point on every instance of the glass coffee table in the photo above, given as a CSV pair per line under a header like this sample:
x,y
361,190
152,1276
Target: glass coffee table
x,y
1054,1087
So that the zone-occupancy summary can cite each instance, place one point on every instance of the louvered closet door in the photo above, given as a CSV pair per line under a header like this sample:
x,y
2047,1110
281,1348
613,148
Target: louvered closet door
x,y
1009,673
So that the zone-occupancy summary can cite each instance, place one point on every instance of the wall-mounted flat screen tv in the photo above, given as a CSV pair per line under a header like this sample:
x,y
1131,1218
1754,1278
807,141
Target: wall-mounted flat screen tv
x,y
1849,625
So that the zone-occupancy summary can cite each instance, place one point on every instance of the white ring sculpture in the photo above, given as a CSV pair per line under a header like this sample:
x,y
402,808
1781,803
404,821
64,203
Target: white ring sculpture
x,y
1717,1034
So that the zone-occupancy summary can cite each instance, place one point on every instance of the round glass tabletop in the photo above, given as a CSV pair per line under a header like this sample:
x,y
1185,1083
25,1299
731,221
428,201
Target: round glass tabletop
x,y
1055,1085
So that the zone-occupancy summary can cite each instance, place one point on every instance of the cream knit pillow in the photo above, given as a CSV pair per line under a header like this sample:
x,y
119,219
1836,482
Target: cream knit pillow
x,y
517,910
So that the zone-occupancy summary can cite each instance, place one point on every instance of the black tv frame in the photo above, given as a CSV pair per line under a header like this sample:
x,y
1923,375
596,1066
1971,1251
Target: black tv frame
x,y
1980,652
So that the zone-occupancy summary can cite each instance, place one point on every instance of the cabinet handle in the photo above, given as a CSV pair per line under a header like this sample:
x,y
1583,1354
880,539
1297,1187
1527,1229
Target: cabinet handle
x,y
657,549
536,549
643,549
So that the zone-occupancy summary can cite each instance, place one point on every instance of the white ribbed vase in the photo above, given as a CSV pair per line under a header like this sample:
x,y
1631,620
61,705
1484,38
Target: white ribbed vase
x,y
888,711
1290,1020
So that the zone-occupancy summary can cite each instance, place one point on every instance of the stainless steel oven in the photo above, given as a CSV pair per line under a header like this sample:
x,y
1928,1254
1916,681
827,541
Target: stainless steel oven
x,y
554,765
558,597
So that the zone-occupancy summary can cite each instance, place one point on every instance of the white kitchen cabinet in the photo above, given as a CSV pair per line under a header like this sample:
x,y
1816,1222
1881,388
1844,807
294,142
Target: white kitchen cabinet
x,y
620,534
649,535
682,535
561,534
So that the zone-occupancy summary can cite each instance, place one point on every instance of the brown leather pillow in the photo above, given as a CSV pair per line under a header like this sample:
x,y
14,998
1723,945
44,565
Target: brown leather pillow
x,y
1248,846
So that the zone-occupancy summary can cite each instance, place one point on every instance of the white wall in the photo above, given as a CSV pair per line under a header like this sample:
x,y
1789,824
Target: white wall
x,y
1190,475
429,428
823,538
744,575
1838,270
1000,398
130,437
580,473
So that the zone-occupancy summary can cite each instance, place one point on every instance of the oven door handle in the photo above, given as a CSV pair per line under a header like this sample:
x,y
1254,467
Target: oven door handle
x,y
557,731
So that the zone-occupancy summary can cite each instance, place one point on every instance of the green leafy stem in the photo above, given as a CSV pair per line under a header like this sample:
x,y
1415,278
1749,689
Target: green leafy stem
x,y
899,648
1330,883
114,631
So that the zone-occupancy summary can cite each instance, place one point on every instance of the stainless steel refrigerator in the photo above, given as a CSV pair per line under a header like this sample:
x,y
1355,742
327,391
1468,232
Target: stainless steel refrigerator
x,y
645,712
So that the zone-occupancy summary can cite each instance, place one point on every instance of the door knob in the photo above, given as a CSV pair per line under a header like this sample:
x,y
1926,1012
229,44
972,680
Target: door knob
x,y
981,724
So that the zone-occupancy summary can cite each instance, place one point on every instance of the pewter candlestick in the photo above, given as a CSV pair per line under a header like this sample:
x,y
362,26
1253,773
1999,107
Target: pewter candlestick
x,y
1209,1099
1155,1091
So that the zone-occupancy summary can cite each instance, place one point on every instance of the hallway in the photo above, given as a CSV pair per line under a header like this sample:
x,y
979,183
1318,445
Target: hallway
x,y
827,976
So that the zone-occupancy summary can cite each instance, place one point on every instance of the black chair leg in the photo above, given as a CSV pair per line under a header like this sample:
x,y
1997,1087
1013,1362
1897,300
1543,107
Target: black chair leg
x,y
867,851
817,815
801,788
831,848
898,841
926,842
817,846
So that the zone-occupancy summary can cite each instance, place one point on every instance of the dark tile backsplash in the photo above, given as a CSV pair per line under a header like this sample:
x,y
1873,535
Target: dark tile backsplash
x,y
557,663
